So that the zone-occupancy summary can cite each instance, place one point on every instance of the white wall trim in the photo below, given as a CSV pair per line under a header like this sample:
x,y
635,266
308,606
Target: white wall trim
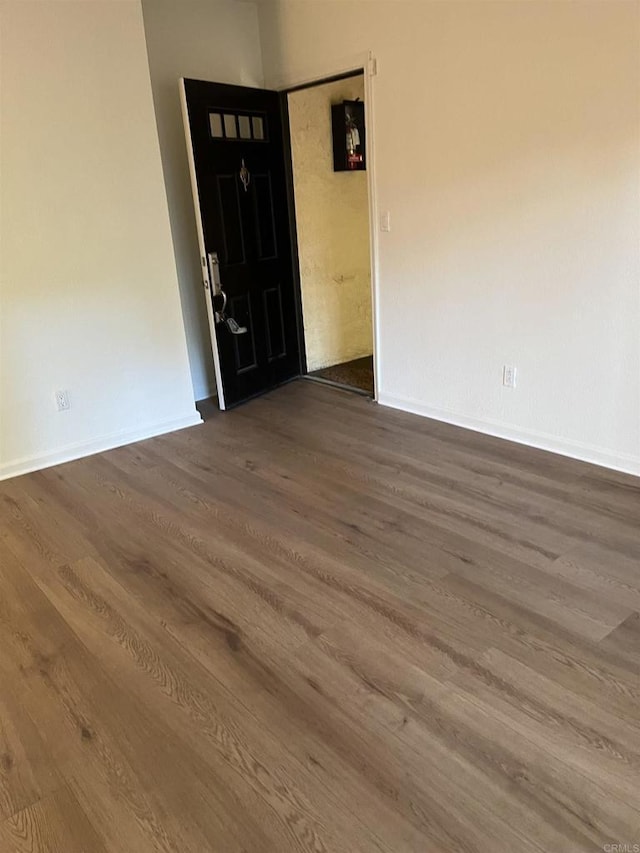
x,y
69,452
626,463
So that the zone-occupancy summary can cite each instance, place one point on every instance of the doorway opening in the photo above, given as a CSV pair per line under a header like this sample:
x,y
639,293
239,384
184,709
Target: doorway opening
x,y
331,201
287,251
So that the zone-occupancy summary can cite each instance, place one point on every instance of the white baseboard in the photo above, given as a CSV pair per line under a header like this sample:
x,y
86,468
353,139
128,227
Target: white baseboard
x,y
625,463
95,445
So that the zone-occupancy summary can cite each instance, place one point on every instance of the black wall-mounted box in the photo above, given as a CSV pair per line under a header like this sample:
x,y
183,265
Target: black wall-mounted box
x,y
349,137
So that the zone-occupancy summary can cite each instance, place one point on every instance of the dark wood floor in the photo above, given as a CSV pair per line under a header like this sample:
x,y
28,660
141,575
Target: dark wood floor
x,y
314,624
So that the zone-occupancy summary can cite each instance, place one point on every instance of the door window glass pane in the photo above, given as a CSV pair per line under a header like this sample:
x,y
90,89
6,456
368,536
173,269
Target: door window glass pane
x,y
244,123
215,125
230,126
258,127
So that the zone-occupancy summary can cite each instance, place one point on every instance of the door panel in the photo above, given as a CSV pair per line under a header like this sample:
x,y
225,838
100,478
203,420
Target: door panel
x,y
276,342
265,217
236,148
232,233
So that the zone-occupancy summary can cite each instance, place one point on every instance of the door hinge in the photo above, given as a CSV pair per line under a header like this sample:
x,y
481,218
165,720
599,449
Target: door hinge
x,y
373,66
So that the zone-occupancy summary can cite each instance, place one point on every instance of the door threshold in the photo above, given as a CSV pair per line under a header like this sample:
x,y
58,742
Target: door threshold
x,y
361,392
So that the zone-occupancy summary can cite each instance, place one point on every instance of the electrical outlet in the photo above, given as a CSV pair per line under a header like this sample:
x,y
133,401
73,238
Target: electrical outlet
x,y
509,376
62,401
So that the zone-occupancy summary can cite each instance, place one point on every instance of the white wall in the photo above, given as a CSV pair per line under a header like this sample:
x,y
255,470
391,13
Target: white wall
x,y
208,40
332,217
507,151
88,291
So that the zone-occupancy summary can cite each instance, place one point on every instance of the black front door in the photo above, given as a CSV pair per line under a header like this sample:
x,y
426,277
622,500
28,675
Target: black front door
x,y
238,173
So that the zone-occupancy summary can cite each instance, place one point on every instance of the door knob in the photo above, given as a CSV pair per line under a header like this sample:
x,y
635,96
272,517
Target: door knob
x,y
220,296
219,305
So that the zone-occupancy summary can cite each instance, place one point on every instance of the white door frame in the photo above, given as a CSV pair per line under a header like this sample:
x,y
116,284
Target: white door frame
x,y
204,266
361,62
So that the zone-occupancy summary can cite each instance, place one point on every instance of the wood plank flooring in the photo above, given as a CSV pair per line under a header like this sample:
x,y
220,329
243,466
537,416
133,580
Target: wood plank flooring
x,y
314,624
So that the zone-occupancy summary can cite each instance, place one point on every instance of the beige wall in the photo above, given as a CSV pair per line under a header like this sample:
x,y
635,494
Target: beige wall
x,y
507,142
88,290
332,213
206,40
